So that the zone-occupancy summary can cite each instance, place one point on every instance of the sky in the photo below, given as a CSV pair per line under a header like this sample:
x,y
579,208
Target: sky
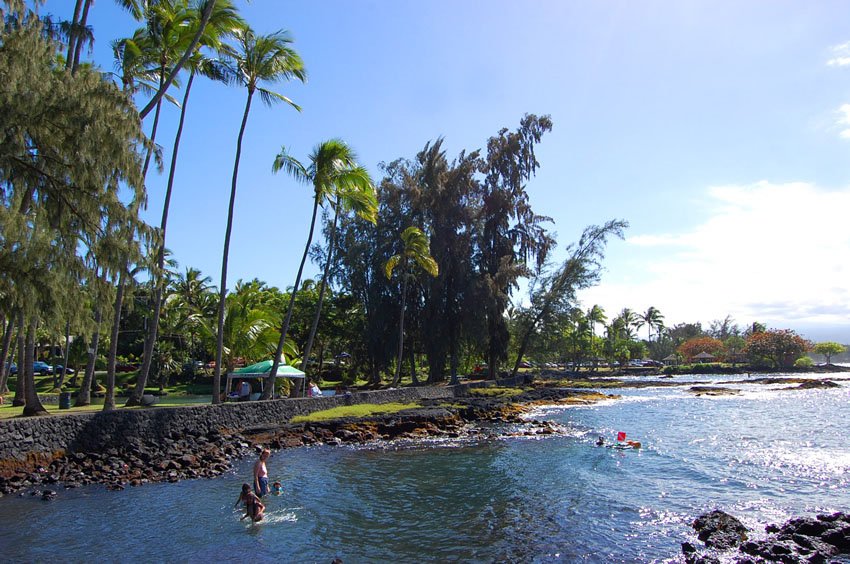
x,y
720,130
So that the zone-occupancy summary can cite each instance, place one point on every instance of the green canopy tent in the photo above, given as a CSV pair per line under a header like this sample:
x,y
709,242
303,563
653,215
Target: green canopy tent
x,y
261,370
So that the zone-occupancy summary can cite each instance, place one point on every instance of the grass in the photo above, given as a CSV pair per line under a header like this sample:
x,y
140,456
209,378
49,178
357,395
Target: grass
x,y
7,410
358,410
495,392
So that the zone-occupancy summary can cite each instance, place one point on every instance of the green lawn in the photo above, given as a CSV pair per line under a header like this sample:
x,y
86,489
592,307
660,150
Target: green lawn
x,y
495,392
7,410
358,410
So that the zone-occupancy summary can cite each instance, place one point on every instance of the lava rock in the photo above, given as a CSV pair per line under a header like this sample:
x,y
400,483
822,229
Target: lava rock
x,y
720,530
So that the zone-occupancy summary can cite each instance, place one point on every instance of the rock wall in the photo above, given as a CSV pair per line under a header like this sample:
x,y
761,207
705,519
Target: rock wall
x,y
36,440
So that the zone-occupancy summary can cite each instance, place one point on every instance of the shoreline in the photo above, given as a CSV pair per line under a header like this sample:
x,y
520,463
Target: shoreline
x,y
211,454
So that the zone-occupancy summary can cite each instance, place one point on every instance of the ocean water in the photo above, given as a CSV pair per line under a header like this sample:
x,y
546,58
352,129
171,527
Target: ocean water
x,y
764,456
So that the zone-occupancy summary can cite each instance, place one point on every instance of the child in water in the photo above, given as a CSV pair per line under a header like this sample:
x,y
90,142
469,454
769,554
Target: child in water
x,y
277,489
254,508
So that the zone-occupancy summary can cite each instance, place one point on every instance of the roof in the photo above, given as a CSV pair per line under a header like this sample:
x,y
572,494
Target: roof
x,y
262,369
704,354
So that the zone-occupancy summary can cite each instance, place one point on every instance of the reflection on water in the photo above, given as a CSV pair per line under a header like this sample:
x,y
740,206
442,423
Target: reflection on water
x,y
763,456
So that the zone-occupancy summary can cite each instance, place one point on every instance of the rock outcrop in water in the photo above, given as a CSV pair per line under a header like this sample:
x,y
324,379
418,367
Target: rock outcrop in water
x,y
720,530
804,539
713,391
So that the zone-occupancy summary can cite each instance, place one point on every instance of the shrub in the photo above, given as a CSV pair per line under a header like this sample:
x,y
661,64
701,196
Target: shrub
x,y
804,362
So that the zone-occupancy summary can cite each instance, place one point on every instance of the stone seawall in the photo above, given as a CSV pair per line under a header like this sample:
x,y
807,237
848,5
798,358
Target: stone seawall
x,y
31,441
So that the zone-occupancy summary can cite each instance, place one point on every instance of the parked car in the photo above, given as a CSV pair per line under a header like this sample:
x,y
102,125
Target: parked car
x,y
650,362
40,367
57,368
525,364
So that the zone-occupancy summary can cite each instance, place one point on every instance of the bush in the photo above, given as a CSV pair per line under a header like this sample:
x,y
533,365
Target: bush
x,y
804,362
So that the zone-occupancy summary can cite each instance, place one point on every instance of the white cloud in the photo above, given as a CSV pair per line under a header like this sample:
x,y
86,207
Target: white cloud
x,y
843,121
841,55
775,253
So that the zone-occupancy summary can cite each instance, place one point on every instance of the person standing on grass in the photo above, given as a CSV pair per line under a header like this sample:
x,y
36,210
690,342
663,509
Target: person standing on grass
x,y
261,474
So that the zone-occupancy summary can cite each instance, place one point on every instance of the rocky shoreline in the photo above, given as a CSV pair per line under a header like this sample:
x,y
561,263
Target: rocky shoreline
x,y
803,539
189,456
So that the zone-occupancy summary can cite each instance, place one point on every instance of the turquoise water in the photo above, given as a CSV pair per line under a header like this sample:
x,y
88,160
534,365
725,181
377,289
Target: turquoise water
x,y
764,456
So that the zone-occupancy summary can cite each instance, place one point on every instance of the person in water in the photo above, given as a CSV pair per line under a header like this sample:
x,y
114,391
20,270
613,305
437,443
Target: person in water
x,y
600,441
277,489
254,508
261,474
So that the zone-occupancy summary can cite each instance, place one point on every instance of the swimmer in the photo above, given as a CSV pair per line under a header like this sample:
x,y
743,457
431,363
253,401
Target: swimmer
x,y
277,489
254,508
600,441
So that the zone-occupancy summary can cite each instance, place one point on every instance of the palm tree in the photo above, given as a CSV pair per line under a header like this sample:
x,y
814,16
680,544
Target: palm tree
x,y
361,198
595,315
248,329
333,168
263,58
224,21
165,34
208,9
415,252
653,319
630,321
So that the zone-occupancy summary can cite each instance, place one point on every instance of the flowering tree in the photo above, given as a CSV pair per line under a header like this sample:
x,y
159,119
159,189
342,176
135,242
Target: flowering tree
x,y
779,347
692,347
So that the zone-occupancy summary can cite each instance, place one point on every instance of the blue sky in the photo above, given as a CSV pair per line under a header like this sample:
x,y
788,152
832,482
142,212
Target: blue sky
x,y
719,129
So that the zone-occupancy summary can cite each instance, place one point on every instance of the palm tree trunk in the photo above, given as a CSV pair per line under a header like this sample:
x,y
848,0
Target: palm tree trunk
x,y
313,328
205,18
84,395
219,345
397,376
20,381
78,44
285,328
109,400
72,35
122,278
4,353
33,405
153,135
411,357
150,340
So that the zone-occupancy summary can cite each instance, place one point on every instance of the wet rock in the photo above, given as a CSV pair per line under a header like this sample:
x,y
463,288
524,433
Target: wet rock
x,y
814,385
804,539
720,530
713,391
